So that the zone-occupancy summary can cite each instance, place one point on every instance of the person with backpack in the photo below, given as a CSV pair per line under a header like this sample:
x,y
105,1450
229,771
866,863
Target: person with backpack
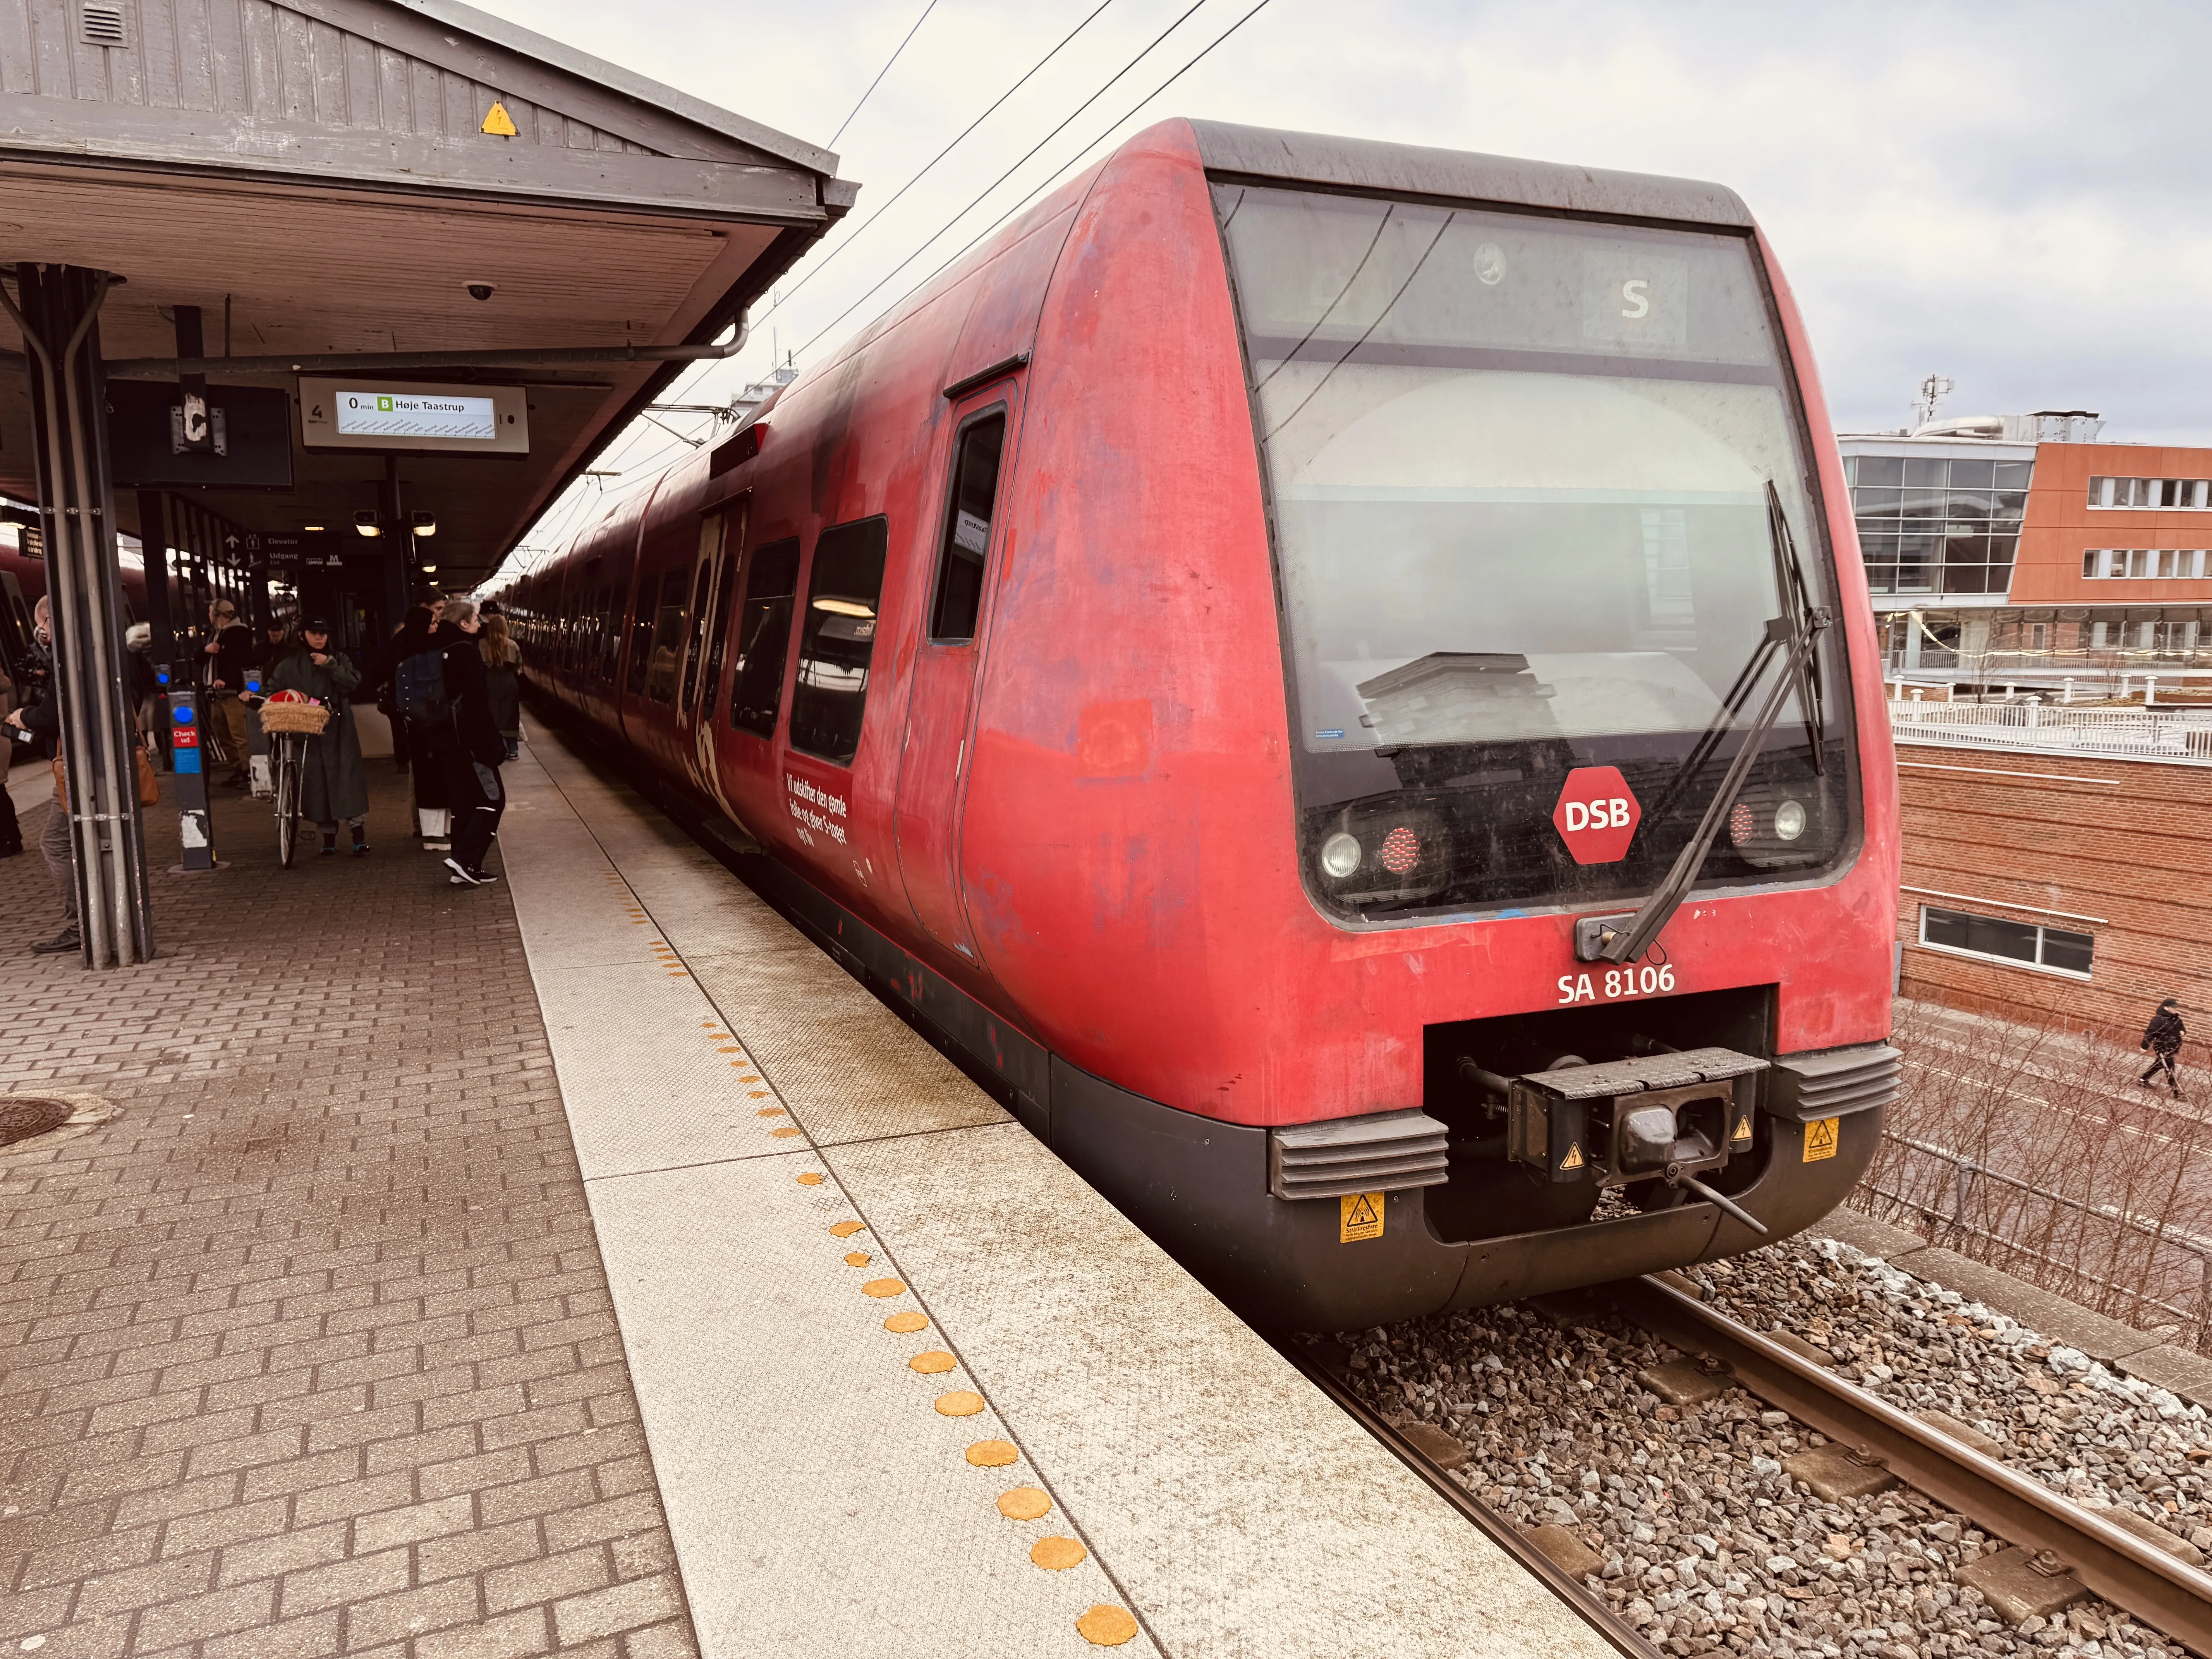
x,y
465,735
417,680
2162,1038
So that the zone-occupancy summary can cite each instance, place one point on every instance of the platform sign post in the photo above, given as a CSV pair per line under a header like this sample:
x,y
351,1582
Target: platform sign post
x,y
194,830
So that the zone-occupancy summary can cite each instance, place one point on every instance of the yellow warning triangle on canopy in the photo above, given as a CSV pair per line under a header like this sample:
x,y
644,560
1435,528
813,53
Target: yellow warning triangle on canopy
x,y
499,122
1573,1160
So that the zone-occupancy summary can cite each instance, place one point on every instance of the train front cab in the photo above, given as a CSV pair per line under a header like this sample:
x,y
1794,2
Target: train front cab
x,y
1580,387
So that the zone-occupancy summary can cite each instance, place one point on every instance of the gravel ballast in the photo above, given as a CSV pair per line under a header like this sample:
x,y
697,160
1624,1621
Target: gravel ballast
x,y
1706,1546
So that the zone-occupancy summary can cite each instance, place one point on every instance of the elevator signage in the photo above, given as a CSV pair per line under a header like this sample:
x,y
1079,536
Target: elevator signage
x,y
1596,815
414,416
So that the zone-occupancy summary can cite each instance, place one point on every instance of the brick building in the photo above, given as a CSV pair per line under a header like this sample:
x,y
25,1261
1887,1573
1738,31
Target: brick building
x,y
2043,877
2017,550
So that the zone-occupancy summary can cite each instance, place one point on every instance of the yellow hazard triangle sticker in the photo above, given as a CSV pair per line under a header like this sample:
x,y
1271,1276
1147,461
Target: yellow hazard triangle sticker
x,y
499,124
1359,1216
1573,1160
1742,1129
1820,1140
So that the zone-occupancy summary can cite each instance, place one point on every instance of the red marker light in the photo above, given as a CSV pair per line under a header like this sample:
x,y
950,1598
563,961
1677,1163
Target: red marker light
x,y
1401,850
1741,823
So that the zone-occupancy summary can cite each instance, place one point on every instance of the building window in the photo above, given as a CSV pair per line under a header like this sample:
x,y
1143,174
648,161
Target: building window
x,y
1933,526
2053,950
2139,494
2152,564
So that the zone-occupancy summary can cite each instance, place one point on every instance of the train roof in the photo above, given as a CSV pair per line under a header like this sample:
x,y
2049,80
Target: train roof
x,y
1416,170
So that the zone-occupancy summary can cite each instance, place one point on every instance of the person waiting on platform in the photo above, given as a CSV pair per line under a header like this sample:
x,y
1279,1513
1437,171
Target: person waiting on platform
x,y
230,653
333,785
2162,1038
469,748
42,719
503,673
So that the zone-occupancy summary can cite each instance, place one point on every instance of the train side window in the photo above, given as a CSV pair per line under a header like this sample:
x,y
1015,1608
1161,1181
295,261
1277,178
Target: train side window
x,y
694,650
667,637
837,640
718,628
607,634
764,637
967,514
641,632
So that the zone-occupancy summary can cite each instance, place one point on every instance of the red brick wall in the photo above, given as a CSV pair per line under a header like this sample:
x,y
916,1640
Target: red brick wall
x,y
2127,841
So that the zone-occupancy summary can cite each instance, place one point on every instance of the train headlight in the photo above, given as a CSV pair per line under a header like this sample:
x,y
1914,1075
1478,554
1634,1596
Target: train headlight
x,y
1790,820
1340,855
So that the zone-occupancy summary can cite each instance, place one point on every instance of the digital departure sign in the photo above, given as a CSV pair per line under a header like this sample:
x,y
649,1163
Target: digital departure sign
x,y
385,414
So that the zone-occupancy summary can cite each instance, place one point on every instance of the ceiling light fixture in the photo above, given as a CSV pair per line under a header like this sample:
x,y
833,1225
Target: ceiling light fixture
x,y
365,522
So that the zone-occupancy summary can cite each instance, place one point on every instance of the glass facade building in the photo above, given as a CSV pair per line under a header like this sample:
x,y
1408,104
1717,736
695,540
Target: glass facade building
x,y
1938,525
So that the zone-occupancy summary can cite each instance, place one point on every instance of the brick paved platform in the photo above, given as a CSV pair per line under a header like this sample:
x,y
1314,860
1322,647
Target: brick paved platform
x,y
310,1351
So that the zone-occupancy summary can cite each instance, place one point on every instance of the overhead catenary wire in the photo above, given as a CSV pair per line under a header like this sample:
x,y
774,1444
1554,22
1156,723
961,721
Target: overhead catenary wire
x,y
1055,176
577,498
1027,75
882,72
946,227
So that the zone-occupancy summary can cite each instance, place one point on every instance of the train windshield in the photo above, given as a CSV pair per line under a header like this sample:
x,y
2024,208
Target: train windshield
x,y
1520,472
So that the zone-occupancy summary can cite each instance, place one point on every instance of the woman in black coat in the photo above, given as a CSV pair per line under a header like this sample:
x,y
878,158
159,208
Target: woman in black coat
x,y
469,747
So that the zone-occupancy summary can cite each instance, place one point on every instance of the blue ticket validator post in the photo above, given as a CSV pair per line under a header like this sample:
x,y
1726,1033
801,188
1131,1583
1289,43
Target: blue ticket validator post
x,y
194,830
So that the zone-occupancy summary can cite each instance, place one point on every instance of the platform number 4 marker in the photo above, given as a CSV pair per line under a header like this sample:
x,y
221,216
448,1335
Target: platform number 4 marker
x,y
1820,1140
1359,1216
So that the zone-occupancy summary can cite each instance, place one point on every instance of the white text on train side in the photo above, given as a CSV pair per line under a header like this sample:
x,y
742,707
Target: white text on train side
x,y
1615,984
799,792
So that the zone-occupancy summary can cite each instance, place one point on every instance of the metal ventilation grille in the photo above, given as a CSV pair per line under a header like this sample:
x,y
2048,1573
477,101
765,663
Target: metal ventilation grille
x,y
1384,1151
101,23
1835,1081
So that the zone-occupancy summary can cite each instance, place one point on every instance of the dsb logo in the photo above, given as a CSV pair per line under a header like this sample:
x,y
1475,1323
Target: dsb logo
x,y
1596,815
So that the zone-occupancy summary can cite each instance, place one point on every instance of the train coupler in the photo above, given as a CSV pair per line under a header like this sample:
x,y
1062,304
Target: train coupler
x,y
1662,1117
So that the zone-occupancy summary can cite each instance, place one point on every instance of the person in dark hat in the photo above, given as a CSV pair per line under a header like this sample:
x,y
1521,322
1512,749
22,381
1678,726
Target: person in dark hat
x,y
332,783
2162,1038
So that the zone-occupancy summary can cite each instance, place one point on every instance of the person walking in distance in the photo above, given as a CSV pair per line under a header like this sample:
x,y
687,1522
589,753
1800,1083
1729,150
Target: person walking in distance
x,y
2162,1038
469,747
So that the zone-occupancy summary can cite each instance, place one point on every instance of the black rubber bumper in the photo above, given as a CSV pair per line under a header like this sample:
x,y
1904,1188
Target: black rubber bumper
x,y
1199,1187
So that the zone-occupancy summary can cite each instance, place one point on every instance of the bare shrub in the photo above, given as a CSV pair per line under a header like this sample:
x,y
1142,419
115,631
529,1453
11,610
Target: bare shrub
x,y
2031,1147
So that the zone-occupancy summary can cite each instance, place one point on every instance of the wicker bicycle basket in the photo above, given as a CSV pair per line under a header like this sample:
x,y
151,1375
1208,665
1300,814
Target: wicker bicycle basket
x,y
308,717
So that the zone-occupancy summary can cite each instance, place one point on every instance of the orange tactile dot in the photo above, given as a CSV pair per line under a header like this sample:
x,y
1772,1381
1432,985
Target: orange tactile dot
x,y
907,1321
1057,1554
758,1094
726,1051
857,1259
884,1287
1106,1626
931,1363
811,1178
960,1402
784,1133
769,1111
991,1454
1024,1504
847,1229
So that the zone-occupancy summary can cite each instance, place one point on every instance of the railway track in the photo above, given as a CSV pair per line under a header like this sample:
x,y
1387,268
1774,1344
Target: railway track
x,y
2147,1583
2061,1537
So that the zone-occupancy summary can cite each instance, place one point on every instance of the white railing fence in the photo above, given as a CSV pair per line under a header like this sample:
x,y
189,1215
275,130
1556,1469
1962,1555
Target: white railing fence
x,y
2177,736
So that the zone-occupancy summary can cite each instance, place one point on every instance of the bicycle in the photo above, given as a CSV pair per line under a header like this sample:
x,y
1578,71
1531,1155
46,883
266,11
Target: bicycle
x,y
289,719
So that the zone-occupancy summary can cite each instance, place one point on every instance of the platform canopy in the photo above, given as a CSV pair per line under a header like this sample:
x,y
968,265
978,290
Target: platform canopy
x,y
334,184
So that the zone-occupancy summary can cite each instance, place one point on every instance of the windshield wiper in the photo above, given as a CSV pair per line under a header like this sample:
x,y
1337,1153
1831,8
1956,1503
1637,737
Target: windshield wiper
x,y
1798,628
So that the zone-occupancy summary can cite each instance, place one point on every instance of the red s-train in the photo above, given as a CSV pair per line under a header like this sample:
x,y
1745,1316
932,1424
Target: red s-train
x,y
1217,651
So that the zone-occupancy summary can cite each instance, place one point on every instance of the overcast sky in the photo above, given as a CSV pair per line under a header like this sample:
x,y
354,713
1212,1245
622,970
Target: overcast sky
x,y
2011,197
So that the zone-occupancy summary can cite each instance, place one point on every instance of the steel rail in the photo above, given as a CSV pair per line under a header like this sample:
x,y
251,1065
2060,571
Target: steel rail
x,y
2134,1575
1609,1626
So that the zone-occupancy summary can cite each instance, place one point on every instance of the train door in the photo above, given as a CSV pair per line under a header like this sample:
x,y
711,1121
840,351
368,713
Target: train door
x,y
721,534
933,765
